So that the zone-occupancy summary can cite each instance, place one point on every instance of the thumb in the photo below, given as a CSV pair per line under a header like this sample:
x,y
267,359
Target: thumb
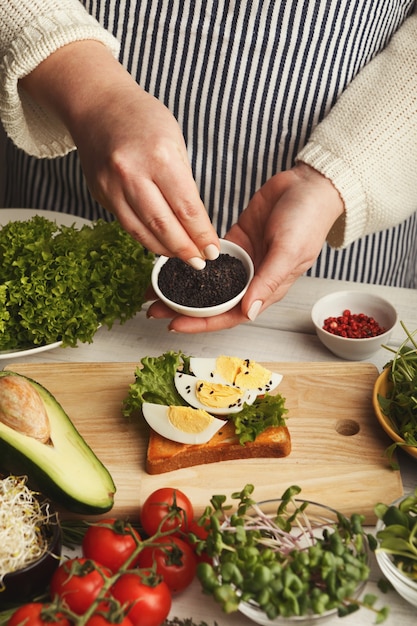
x,y
272,280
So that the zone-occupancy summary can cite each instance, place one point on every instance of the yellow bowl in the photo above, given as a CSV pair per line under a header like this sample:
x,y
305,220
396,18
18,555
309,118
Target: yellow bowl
x,y
381,388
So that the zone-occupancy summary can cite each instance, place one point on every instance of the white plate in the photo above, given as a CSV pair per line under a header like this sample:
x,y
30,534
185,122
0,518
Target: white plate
x,y
21,215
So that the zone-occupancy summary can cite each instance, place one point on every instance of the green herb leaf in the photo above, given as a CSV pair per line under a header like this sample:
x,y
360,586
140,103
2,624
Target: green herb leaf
x,y
400,403
399,535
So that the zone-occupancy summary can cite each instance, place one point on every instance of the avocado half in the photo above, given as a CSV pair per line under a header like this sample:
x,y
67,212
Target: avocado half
x,y
65,469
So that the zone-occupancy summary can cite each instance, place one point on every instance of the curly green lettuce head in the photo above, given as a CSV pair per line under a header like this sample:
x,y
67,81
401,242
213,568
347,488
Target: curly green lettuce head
x,y
60,283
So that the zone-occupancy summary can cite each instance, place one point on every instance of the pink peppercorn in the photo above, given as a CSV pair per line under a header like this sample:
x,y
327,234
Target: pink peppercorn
x,y
353,325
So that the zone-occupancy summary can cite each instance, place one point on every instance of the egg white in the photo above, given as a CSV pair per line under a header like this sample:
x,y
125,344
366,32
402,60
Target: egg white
x,y
157,417
205,369
186,386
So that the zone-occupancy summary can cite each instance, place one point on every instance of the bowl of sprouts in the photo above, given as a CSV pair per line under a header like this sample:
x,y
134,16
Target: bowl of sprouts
x,y
396,533
30,541
284,561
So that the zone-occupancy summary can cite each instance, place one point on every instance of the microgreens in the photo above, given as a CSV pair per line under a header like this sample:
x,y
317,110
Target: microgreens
x,y
22,523
399,536
292,562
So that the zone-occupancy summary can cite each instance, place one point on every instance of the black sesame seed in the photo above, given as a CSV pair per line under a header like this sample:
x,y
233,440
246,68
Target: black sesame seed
x,y
221,279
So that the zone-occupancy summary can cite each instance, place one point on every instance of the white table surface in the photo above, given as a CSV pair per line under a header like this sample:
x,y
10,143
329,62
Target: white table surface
x,y
283,333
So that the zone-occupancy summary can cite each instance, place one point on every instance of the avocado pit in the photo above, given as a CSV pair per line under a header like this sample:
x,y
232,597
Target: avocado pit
x,y
22,409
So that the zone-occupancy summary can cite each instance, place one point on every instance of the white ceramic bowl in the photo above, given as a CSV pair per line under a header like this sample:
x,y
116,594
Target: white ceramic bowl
x,y
226,247
405,586
372,305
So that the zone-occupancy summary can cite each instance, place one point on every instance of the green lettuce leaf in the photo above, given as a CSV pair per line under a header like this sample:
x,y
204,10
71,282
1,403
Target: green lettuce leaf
x,y
253,419
60,283
154,382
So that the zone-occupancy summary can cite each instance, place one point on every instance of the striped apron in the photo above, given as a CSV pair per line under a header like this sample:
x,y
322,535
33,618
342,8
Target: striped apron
x,y
247,81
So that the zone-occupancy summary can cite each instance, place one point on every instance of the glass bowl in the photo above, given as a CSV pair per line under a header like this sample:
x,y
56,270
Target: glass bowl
x,y
256,615
309,524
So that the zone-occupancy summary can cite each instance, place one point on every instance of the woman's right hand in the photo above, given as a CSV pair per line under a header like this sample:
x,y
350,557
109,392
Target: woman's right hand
x,y
131,149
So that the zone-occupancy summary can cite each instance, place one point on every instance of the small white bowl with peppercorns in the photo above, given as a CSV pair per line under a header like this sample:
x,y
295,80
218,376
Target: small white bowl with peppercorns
x,y
353,324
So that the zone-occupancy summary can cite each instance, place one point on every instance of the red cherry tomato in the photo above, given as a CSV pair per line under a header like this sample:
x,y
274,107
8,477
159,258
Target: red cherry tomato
x,y
148,600
110,542
174,561
78,582
37,614
167,505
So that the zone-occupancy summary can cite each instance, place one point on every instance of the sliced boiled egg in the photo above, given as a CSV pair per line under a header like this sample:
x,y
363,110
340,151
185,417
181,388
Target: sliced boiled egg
x,y
182,424
214,397
243,373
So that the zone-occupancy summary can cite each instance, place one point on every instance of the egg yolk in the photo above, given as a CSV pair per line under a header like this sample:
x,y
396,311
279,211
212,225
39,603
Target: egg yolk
x,y
217,395
189,420
243,373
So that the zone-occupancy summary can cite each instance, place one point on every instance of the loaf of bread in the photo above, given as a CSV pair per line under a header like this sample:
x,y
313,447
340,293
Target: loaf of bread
x,y
164,455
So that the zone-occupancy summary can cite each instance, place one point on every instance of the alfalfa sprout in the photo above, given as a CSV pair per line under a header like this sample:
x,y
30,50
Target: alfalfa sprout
x,y
22,518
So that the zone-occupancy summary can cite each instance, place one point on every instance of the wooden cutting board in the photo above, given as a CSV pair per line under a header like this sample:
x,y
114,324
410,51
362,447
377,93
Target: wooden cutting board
x,y
337,455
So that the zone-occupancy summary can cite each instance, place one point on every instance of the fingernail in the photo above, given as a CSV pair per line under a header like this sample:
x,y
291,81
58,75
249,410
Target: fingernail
x,y
197,263
254,309
211,252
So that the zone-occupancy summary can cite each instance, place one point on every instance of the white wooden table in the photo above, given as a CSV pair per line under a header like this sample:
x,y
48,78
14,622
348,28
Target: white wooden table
x,y
283,333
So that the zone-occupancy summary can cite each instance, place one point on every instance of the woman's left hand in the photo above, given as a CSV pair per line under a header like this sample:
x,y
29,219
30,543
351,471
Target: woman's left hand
x,y
283,229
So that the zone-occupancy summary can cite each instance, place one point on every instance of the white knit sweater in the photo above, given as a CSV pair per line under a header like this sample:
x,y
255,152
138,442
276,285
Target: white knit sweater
x,y
31,30
367,145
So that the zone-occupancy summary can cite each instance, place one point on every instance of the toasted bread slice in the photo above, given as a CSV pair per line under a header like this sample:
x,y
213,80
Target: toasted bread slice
x,y
164,455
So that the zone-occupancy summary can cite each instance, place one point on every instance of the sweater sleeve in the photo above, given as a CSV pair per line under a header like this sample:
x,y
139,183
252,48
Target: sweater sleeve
x,y
31,30
367,144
